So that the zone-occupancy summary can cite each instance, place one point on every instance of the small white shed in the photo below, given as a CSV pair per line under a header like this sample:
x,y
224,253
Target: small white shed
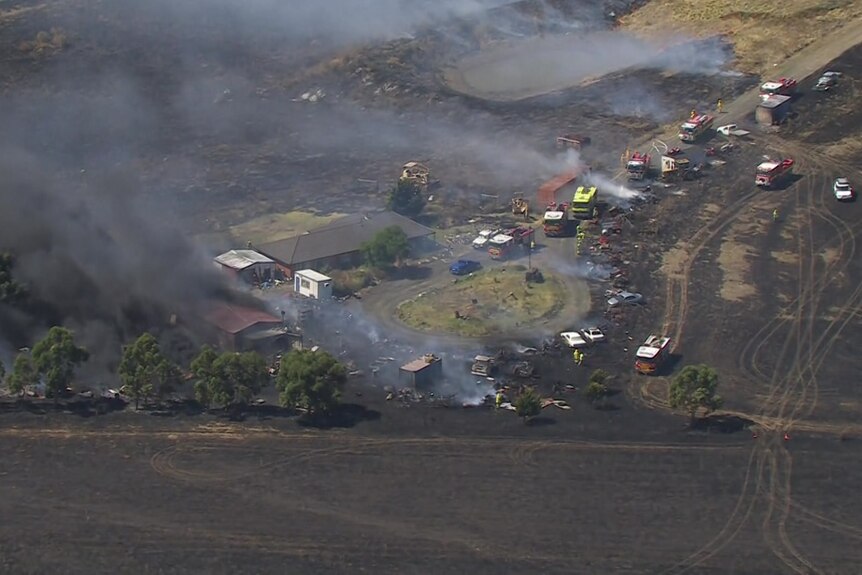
x,y
312,284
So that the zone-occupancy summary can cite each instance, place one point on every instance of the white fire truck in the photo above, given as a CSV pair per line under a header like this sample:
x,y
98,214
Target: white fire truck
x,y
783,87
696,127
772,172
638,166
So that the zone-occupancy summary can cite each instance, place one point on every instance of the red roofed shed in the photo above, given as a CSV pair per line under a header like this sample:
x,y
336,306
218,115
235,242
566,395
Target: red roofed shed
x,y
239,328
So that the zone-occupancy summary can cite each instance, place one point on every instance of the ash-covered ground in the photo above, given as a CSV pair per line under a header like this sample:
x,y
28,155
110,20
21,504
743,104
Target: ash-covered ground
x,y
189,117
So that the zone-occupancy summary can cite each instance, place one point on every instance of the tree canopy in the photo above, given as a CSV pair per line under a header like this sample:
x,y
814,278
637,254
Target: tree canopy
x,y
56,357
386,248
24,374
407,198
11,291
145,370
311,380
597,389
694,388
228,378
528,404
202,370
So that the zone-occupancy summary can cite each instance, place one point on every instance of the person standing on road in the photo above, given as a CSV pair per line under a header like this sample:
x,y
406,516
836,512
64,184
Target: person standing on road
x,y
775,215
719,105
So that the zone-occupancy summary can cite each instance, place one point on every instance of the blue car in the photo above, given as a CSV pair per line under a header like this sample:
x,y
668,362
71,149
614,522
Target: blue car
x,y
464,267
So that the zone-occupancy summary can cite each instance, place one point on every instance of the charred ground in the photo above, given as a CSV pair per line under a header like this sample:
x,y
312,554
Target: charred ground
x,y
416,488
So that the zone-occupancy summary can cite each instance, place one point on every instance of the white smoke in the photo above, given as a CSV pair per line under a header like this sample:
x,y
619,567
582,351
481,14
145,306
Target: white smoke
x,y
614,191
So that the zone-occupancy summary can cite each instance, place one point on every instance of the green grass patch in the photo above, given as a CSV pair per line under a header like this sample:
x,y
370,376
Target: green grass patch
x,y
489,301
345,282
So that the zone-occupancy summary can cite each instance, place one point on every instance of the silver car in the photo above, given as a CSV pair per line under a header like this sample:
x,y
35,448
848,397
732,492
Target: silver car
x,y
625,298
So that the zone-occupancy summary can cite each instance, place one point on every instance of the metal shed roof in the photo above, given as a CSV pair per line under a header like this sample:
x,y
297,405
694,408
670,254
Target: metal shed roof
x,y
774,101
242,259
342,236
313,276
233,318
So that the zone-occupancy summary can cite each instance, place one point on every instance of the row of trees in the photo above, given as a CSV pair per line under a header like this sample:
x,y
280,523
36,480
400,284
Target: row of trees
x,y
52,361
309,380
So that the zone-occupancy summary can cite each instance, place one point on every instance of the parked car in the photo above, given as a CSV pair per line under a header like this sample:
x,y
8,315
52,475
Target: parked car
x,y
625,298
842,190
573,339
593,334
481,241
726,130
464,267
826,82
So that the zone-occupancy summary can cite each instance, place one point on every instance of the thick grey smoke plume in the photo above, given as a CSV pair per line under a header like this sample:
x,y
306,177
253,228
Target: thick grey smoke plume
x,y
95,257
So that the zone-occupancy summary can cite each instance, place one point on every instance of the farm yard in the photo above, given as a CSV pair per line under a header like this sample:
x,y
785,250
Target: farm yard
x,y
236,133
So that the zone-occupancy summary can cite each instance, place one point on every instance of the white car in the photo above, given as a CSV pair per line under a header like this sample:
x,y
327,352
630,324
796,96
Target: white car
x,y
481,240
593,334
726,130
842,190
573,339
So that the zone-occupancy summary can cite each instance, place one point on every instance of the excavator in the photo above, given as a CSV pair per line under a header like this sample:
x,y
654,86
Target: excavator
x,y
418,174
521,207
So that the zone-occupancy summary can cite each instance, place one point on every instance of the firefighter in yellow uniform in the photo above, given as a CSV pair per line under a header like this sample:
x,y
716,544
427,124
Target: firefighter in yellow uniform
x,y
693,114
719,105
775,215
498,400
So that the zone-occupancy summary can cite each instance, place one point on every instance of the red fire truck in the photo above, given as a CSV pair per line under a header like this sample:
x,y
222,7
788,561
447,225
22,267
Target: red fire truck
x,y
638,166
501,246
652,354
559,220
696,127
783,87
771,173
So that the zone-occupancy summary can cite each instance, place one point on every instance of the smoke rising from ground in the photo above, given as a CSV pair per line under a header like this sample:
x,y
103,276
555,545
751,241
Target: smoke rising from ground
x,y
541,65
95,257
101,140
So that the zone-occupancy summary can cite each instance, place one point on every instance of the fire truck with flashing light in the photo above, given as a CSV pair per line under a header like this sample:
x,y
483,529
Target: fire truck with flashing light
x,y
654,352
559,220
501,246
782,87
772,172
584,202
696,127
638,166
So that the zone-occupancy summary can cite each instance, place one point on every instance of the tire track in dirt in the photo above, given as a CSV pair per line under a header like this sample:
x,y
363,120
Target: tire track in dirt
x,y
800,381
784,383
733,524
676,290
786,398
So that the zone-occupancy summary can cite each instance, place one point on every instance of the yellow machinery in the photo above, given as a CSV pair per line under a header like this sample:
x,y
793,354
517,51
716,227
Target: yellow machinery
x,y
416,173
584,201
520,207
675,168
